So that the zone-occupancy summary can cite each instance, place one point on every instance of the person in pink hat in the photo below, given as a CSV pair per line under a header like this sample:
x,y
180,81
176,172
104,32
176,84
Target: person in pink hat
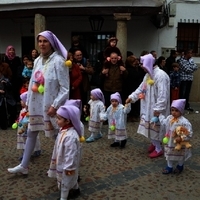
x,y
170,124
154,96
97,107
116,114
66,154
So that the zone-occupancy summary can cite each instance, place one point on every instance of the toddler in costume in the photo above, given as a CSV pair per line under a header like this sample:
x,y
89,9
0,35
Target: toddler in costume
x,y
116,114
78,104
170,123
96,107
66,153
23,121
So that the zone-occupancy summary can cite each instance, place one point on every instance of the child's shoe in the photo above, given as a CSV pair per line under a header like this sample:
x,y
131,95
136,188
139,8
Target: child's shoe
x,y
74,193
115,144
122,144
155,154
151,148
18,169
90,139
178,169
98,136
167,170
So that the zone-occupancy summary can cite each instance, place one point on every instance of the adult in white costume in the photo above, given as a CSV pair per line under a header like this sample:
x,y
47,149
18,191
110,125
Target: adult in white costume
x,y
155,99
48,90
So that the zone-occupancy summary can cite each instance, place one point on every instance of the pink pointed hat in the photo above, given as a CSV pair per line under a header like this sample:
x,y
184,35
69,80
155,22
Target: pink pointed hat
x,y
179,104
23,96
71,112
116,96
148,62
97,93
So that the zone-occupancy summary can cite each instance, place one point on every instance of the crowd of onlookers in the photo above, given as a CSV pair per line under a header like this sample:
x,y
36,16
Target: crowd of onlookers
x,y
83,76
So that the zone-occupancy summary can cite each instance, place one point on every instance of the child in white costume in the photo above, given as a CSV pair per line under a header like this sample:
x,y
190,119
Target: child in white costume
x,y
96,107
116,114
23,120
78,104
66,154
170,124
154,95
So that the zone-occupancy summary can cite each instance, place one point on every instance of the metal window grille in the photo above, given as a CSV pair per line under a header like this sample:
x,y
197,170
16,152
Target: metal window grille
x,y
94,43
188,37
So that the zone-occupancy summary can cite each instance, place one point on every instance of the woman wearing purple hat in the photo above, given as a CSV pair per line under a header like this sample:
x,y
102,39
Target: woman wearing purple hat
x,y
48,90
66,154
96,108
154,96
176,119
116,114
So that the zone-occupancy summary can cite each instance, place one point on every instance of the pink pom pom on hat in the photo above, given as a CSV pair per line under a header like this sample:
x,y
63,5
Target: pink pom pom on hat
x,y
179,104
147,63
23,96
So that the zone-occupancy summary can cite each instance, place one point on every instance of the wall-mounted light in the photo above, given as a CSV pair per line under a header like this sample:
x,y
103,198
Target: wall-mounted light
x,y
96,22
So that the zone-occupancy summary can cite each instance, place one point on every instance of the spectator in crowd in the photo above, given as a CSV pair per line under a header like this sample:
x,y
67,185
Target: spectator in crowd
x,y
113,78
34,54
170,60
187,68
14,63
76,44
175,82
161,63
86,70
131,83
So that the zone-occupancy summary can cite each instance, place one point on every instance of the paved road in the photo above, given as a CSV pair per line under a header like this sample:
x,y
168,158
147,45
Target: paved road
x,y
107,173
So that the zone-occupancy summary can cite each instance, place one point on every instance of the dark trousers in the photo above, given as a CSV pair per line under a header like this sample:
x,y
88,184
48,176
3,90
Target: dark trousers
x,y
184,92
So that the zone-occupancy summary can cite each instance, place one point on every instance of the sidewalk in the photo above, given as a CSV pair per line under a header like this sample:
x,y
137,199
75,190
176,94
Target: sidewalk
x,y
106,173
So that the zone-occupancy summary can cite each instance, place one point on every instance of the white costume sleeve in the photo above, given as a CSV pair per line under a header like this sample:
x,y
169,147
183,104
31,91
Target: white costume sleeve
x,y
63,78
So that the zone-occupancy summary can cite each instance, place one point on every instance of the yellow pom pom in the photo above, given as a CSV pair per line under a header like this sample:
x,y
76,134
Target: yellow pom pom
x,y
68,63
150,82
82,139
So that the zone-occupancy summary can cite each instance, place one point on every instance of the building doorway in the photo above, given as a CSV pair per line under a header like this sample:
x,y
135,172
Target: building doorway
x,y
28,43
94,43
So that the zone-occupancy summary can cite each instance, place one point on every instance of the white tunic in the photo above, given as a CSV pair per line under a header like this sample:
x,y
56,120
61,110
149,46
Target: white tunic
x,y
96,108
170,152
157,98
117,117
56,92
66,156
